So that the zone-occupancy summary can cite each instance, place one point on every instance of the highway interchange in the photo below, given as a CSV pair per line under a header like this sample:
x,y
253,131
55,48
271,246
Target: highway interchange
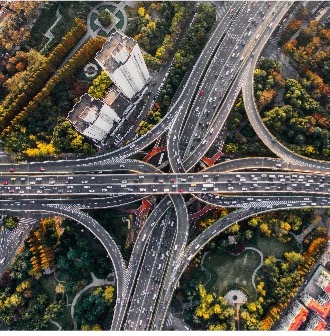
x,y
196,119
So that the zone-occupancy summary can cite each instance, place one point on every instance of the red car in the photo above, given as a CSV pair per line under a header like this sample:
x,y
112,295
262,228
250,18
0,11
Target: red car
x,y
12,170
181,169
172,180
201,93
180,190
42,169
4,182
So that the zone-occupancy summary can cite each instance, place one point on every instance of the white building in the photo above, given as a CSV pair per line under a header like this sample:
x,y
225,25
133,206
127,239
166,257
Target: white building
x,y
92,117
121,59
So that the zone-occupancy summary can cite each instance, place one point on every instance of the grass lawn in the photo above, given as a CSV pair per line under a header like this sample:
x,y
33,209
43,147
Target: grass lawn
x,y
228,271
120,16
65,320
94,26
48,284
104,34
271,246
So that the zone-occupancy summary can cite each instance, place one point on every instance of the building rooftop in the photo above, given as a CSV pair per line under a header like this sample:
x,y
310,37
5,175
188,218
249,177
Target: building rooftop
x,y
315,323
296,316
115,51
93,116
84,112
117,101
323,280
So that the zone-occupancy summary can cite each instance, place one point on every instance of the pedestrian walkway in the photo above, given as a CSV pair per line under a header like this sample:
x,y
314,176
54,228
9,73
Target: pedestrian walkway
x,y
95,283
94,28
49,33
258,267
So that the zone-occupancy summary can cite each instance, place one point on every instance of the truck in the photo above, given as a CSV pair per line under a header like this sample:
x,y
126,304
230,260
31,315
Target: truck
x,y
208,185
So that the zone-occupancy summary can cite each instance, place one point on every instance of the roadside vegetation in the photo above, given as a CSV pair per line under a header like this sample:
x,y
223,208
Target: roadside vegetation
x,y
55,263
286,263
296,111
189,48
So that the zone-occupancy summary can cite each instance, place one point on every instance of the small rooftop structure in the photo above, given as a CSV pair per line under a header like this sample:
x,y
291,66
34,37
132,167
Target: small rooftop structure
x,y
92,117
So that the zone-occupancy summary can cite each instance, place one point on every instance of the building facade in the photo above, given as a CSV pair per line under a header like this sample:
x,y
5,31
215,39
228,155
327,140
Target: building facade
x,y
121,58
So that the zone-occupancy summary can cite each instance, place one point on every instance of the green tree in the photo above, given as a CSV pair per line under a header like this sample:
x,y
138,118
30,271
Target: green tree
x,y
10,223
105,18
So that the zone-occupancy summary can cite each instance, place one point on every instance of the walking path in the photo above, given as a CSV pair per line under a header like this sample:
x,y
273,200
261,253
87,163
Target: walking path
x,y
258,267
95,282
118,8
49,33
56,324
205,270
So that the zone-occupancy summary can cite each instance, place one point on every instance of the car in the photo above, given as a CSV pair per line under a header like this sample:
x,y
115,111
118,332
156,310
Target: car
x,y
42,169
12,170
5,182
181,169
180,190
201,93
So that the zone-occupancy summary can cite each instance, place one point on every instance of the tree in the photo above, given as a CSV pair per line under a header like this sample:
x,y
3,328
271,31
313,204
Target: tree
x,y
59,289
294,259
231,148
10,223
109,293
100,85
105,18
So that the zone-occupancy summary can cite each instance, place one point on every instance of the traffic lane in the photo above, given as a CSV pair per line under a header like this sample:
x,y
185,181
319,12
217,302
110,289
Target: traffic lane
x,y
225,109
187,93
230,52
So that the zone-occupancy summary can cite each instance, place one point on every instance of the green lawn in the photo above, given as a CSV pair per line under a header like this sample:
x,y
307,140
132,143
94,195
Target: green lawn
x,y
120,16
66,321
229,271
48,284
272,246
94,26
